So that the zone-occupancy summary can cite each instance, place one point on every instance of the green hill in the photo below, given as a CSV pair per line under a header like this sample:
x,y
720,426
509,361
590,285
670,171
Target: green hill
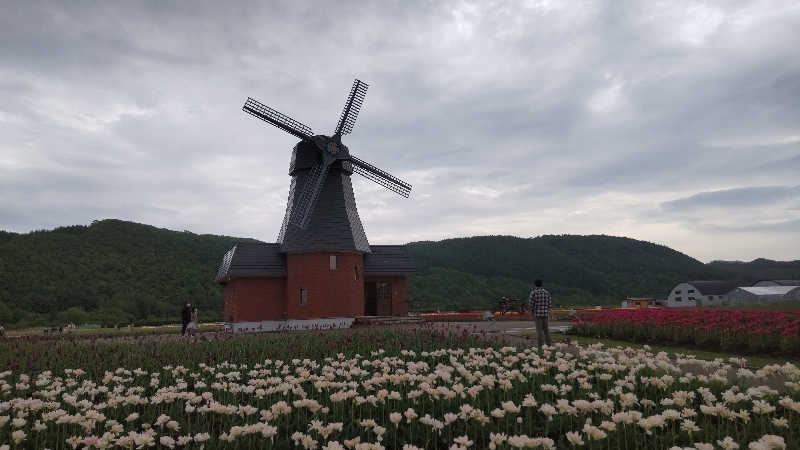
x,y
760,269
111,271
115,271
577,269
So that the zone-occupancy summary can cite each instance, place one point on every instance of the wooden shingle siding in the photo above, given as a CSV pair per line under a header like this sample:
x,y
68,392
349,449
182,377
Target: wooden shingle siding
x,y
334,225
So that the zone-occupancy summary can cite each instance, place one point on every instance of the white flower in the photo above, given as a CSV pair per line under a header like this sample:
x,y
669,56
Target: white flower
x,y
463,441
728,443
780,422
161,420
548,410
768,442
689,426
18,436
395,418
574,438
167,441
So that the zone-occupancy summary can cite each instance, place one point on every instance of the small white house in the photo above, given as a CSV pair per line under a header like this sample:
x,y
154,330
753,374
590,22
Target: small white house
x,y
777,283
764,294
700,293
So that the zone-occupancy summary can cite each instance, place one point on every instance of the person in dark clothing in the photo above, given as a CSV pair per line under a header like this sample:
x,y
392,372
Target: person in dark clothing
x,y
186,316
540,302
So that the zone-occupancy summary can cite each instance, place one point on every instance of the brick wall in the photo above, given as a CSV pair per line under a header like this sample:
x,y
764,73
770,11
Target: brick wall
x,y
331,293
255,299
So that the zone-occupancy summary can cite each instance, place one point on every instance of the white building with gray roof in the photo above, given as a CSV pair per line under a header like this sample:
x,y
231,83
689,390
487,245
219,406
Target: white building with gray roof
x,y
777,283
700,293
763,294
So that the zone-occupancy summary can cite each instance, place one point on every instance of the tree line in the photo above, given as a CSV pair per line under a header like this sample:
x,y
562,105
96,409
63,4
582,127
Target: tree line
x,y
114,271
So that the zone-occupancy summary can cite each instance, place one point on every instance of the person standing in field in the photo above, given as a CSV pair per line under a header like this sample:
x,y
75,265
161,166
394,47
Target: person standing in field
x,y
540,302
186,316
193,324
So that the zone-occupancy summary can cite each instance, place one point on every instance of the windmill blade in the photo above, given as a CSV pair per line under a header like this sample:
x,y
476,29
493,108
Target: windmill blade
x,y
379,176
301,215
351,108
280,120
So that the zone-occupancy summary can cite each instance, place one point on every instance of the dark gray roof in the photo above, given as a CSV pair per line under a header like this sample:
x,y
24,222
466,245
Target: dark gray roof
x,y
714,287
334,225
787,282
266,260
388,260
252,260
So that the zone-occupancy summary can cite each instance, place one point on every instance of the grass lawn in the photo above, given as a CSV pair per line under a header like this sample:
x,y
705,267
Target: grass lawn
x,y
111,332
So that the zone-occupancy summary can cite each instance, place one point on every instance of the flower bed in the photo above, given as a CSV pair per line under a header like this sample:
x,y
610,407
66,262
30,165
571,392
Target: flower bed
x,y
471,316
732,330
390,389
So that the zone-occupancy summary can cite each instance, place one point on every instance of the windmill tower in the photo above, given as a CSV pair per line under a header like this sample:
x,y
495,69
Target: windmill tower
x,y
321,237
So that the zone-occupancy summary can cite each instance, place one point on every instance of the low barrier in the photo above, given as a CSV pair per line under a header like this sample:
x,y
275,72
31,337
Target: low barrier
x,y
555,314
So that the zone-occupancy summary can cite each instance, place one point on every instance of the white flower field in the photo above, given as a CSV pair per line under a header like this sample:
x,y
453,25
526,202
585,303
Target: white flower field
x,y
445,392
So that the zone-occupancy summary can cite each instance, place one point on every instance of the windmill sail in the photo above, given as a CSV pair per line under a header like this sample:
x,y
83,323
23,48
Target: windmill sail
x,y
275,117
352,106
379,176
308,198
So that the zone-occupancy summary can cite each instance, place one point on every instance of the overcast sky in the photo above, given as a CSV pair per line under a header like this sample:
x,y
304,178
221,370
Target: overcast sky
x,y
673,122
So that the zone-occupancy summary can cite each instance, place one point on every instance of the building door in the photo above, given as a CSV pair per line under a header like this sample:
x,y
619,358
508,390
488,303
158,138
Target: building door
x,y
377,298
370,299
384,298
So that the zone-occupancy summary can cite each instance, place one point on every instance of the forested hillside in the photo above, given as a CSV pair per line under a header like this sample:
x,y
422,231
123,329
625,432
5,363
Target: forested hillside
x,y
116,271
577,269
760,269
107,272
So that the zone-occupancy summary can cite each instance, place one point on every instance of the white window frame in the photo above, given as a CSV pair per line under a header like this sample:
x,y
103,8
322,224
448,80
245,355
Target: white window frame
x,y
303,297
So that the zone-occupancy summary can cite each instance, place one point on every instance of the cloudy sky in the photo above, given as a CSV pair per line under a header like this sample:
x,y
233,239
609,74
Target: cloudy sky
x,y
673,122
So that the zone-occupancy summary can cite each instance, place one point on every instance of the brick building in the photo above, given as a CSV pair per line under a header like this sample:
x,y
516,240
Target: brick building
x,y
260,283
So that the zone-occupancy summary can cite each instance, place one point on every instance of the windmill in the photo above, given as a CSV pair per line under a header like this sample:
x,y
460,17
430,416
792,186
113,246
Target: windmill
x,y
321,214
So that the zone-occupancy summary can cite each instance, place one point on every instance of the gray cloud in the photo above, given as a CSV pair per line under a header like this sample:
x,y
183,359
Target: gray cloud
x,y
613,117
745,197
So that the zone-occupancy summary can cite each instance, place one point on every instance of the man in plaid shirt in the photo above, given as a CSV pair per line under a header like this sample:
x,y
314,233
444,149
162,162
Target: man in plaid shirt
x,y
540,301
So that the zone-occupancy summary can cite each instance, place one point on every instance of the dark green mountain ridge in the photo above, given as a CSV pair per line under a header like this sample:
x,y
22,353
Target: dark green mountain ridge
x,y
117,271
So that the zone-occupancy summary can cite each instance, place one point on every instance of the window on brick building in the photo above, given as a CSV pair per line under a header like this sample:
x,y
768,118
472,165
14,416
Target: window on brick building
x,y
355,269
303,296
333,262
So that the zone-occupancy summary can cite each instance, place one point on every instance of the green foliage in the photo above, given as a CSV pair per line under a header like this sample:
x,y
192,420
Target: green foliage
x,y
114,271
449,289
118,272
6,314
75,315
760,269
578,270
